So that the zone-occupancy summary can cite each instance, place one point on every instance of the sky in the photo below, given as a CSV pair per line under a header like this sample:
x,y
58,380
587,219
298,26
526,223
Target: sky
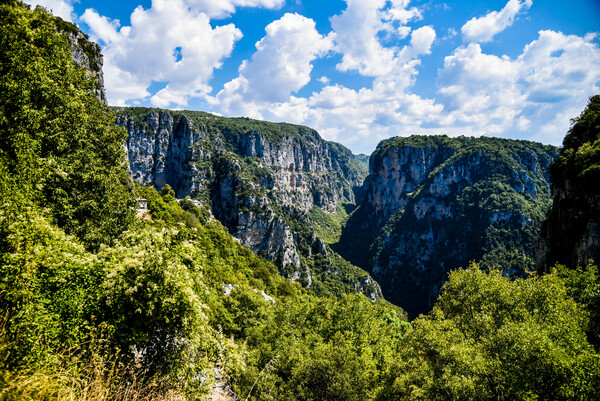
x,y
358,71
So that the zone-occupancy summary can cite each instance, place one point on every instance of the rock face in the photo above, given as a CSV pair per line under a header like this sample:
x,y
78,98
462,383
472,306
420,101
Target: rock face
x,y
160,152
571,233
259,179
428,205
85,54
432,204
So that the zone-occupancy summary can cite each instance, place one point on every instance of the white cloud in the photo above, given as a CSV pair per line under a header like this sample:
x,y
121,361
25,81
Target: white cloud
x,y
420,43
280,66
148,51
358,30
334,97
173,48
60,8
103,28
532,95
499,95
224,8
483,29
358,118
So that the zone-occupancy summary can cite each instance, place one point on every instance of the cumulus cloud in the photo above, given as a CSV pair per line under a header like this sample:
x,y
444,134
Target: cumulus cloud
x,y
358,31
170,43
500,95
531,95
420,43
173,48
224,8
280,66
60,8
360,118
483,29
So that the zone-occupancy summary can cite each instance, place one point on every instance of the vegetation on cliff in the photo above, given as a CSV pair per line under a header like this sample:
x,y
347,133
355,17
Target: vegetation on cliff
x,y
96,304
571,234
434,203
278,187
60,149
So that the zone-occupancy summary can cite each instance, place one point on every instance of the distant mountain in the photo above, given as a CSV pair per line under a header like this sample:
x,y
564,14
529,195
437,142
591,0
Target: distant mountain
x,y
433,203
279,188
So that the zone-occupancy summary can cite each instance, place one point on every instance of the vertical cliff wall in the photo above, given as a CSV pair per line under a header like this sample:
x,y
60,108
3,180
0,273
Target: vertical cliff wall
x,y
260,179
571,233
432,204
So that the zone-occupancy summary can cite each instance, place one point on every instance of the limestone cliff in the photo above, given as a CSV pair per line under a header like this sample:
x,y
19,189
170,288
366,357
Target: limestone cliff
x,y
259,179
433,204
84,53
571,233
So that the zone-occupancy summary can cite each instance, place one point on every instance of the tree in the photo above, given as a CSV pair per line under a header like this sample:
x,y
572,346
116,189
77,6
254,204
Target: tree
x,y
59,147
490,337
566,235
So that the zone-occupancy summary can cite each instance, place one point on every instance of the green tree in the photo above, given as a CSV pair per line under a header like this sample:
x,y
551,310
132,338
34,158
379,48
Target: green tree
x,y
575,211
59,146
490,337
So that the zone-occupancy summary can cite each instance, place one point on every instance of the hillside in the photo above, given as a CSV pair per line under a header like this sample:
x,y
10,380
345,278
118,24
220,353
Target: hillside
x,y
97,304
571,234
279,188
433,204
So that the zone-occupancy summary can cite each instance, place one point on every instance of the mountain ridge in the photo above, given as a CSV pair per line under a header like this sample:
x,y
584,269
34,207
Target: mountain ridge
x,y
276,185
434,203
97,304
262,185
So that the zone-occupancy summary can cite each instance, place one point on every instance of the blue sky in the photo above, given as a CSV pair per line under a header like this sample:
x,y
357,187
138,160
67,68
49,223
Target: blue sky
x,y
358,71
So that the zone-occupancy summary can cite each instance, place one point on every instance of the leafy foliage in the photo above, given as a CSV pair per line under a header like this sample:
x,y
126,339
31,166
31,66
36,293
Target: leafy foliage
x,y
329,226
59,145
173,303
490,337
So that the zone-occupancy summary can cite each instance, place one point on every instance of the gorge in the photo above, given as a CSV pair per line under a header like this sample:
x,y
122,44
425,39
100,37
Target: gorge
x,y
265,263
428,205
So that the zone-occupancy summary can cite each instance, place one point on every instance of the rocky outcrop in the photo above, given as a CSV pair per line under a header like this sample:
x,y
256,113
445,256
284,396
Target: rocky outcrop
x,y
394,178
304,172
86,54
259,179
269,237
571,233
433,204
160,151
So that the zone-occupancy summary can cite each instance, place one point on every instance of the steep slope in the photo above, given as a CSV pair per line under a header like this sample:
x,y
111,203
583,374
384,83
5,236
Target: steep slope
x,y
272,185
432,204
58,144
571,233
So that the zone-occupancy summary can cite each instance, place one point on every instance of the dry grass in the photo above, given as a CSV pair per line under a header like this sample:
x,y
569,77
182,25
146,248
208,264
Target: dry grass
x,y
93,385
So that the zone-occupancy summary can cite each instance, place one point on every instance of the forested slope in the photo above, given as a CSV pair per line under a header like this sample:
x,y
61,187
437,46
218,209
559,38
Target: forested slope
x,y
571,234
279,188
98,304
432,204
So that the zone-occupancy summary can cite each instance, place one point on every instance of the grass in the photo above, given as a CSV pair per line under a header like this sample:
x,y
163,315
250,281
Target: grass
x,y
95,382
